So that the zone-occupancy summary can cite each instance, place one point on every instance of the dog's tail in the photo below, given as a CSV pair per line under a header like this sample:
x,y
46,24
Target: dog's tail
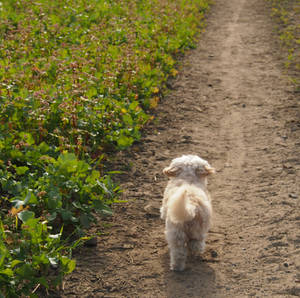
x,y
179,208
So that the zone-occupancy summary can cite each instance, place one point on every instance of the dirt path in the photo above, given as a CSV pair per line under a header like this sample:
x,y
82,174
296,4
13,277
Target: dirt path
x,y
231,105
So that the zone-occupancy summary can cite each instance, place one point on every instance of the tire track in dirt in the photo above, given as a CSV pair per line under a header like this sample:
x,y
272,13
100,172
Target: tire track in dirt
x,y
231,105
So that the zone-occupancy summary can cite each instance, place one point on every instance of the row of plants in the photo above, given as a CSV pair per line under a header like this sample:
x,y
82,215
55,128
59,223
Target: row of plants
x,y
287,15
78,81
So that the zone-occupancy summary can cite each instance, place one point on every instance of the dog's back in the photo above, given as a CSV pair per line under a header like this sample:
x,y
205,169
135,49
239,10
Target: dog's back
x,y
189,203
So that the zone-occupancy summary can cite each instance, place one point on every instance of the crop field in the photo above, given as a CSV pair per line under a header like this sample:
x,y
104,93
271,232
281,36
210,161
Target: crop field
x,y
287,15
78,81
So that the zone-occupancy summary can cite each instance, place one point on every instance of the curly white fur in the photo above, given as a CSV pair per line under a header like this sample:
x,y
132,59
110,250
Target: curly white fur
x,y
186,207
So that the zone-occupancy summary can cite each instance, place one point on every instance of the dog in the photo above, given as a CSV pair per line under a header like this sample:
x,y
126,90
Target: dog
x,y
186,208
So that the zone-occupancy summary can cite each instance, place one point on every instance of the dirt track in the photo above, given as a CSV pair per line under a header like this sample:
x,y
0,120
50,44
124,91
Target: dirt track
x,y
232,106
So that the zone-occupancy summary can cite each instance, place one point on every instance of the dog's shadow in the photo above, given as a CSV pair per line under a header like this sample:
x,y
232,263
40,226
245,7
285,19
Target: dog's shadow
x,y
198,279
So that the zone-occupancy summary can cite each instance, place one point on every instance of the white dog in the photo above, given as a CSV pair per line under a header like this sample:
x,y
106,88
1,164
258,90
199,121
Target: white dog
x,y
186,207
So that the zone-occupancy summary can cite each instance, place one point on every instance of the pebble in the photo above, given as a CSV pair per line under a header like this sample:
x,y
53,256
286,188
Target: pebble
x,y
214,254
293,196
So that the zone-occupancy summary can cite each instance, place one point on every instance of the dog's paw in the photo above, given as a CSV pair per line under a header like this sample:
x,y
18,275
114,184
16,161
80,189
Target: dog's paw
x,y
177,267
196,247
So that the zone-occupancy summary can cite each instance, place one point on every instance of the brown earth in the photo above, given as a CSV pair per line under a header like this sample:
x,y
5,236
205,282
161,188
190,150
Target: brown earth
x,y
231,105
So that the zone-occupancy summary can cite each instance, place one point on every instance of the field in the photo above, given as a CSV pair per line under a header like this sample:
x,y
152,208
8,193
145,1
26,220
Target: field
x,y
78,82
287,16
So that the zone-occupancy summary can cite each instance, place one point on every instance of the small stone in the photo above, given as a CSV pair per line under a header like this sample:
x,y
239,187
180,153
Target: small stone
x,y
213,254
293,196
286,264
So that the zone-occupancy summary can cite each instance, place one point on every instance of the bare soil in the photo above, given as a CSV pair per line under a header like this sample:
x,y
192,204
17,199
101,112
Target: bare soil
x,y
231,105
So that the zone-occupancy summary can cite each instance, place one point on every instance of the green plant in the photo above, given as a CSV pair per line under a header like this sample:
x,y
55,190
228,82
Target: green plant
x,y
28,254
78,81
287,15
63,190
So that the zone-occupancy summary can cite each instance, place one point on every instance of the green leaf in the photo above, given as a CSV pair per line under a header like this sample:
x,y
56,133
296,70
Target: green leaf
x,y
124,141
106,210
44,148
68,162
8,272
85,220
25,215
25,271
27,137
66,157
52,216
41,259
133,105
92,92
102,208
68,265
16,154
78,205
71,266
3,254
30,198
43,281
67,216
21,170
82,167
93,177
127,119
15,263
54,200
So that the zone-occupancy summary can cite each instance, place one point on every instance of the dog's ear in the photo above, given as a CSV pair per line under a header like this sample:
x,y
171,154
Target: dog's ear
x,y
171,171
205,170
209,170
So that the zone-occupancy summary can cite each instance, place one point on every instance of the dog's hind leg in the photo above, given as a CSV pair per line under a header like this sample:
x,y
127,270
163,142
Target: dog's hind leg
x,y
196,246
196,231
176,239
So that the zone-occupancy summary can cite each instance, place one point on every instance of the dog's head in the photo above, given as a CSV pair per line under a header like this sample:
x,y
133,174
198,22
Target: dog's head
x,y
189,165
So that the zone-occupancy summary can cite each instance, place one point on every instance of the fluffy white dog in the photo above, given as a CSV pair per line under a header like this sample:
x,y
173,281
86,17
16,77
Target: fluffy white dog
x,y
186,207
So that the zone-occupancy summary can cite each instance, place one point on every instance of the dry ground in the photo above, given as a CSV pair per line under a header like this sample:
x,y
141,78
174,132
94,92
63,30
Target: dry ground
x,y
232,106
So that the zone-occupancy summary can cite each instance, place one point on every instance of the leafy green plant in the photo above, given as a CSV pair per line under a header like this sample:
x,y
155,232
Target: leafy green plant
x,y
64,190
78,81
287,15
60,191
28,256
68,72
